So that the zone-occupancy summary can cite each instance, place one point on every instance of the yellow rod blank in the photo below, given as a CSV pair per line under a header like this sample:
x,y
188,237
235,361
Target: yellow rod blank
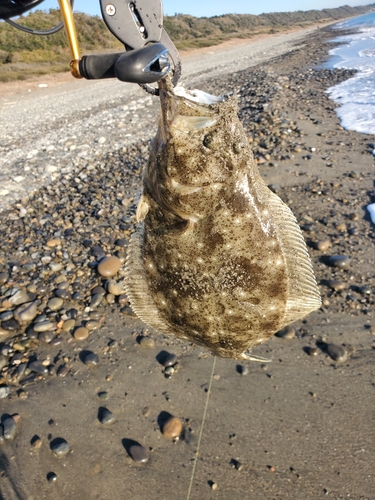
x,y
71,33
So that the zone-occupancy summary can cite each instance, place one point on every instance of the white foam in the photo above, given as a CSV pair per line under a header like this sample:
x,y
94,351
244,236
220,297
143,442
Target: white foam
x,y
371,210
356,96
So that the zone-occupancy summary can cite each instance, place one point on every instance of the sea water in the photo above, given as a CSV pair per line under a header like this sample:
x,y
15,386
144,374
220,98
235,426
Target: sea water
x,y
356,96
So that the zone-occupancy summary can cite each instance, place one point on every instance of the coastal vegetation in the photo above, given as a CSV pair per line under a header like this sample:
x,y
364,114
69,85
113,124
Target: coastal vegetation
x,y
23,55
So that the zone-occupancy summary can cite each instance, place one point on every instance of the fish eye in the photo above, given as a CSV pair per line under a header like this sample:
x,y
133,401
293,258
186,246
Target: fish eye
x,y
208,140
237,147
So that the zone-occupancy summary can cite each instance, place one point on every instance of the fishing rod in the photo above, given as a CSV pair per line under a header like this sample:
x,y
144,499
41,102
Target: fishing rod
x,y
149,53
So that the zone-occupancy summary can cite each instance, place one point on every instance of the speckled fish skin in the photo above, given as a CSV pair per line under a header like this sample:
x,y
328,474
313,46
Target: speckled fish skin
x,y
217,258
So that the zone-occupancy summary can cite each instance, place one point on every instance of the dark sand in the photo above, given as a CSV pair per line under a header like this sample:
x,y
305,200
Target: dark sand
x,y
302,426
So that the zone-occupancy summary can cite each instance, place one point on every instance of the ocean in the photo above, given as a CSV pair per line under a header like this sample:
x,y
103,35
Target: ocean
x,y
356,96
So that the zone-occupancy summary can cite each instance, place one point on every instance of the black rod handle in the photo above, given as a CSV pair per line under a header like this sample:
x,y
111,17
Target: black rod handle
x,y
97,67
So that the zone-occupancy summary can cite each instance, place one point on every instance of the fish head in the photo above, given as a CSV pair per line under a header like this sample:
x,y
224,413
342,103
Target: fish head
x,y
200,144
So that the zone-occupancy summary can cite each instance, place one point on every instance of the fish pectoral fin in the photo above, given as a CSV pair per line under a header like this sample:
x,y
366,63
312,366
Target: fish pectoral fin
x,y
142,209
253,357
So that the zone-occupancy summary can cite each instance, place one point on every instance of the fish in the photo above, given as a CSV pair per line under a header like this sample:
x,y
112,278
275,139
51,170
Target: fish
x,y
216,257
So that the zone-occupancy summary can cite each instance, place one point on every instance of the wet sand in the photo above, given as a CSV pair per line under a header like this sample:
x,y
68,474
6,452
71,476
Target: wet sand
x,y
296,428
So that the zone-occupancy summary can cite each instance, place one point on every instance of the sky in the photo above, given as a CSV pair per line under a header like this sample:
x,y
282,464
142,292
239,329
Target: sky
x,y
208,8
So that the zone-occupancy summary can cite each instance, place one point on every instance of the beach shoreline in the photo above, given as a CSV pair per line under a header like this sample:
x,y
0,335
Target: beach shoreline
x,y
62,79
298,427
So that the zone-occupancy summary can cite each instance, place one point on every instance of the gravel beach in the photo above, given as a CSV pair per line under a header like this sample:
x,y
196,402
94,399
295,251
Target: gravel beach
x,y
96,406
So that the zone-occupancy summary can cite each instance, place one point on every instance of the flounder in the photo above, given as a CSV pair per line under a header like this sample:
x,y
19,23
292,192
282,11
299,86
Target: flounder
x,y
216,258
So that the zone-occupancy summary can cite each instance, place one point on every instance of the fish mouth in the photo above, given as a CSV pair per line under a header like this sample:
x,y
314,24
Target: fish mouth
x,y
186,111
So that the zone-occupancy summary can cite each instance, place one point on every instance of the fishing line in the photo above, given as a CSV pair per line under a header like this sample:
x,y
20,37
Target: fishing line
x,y
202,426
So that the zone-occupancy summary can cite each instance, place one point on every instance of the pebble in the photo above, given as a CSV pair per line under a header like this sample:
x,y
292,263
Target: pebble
x,y
322,245
170,360
103,395
36,443
26,312
342,227
96,300
21,297
146,411
312,351
286,333
123,299
121,242
46,337
43,326
236,464
55,266
4,276
63,294
337,352
147,342
60,447
62,371
4,391
340,261
6,315
51,477
91,359
353,231
110,298
139,454
243,369
38,367
92,325
172,428
115,288
22,394
11,325
98,290
53,243
4,335
55,304
275,188
9,428
63,285
109,266
81,333
354,175
337,285
106,417
169,371
68,325
95,315
3,361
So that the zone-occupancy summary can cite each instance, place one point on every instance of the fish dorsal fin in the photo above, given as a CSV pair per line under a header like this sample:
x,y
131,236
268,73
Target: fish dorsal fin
x,y
303,294
136,286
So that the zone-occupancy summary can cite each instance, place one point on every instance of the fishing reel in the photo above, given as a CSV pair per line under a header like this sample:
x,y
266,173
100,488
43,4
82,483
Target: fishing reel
x,y
12,8
149,52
